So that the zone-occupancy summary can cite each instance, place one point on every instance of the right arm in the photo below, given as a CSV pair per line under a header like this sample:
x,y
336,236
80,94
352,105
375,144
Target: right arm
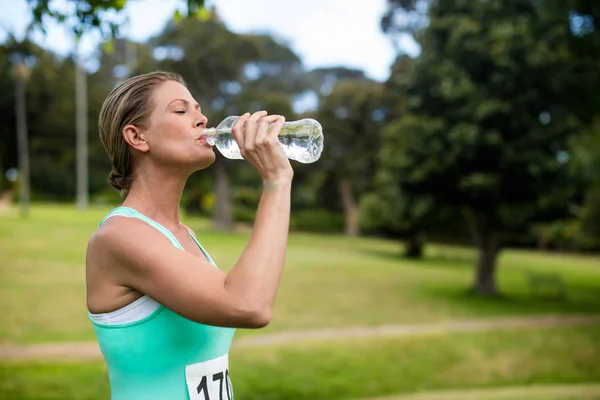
x,y
190,286
257,274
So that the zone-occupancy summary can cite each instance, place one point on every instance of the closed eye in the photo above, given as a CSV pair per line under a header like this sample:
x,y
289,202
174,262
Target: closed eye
x,y
180,111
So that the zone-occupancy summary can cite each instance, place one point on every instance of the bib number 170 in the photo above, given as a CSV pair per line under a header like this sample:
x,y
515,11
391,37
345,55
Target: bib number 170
x,y
209,380
219,380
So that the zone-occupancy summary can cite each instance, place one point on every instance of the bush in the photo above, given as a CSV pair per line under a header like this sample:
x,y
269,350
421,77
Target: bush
x,y
370,214
243,213
245,203
317,220
107,196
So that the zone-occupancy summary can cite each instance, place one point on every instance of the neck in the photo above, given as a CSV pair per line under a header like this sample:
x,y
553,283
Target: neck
x,y
156,193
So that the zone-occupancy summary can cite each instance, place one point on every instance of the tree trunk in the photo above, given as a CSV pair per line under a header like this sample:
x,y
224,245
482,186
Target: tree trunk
x,y
488,246
82,135
414,245
23,148
222,220
350,208
542,242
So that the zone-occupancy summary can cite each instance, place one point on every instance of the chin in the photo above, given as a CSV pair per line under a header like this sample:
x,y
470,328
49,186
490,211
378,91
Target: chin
x,y
206,161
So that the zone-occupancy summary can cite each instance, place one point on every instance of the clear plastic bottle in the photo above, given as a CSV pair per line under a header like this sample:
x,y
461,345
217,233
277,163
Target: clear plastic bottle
x,y
301,140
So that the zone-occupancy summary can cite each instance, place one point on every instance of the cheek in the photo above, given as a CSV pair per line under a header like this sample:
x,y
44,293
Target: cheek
x,y
172,129
170,135
172,141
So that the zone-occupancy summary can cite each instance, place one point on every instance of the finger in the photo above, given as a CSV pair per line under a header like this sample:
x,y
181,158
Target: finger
x,y
263,127
277,126
237,130
250,129
255,116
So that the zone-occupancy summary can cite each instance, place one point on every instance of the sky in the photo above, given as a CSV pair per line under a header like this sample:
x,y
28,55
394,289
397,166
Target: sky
x,y
322,32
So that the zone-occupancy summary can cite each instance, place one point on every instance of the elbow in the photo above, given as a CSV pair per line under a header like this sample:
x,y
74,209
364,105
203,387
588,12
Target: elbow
x,y
258,318
250,313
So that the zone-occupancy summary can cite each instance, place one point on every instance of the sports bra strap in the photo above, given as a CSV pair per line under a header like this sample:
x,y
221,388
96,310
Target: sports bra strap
x,y
131,213
208,257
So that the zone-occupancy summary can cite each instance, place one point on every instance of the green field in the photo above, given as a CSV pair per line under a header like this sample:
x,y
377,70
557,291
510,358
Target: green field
x,y
360,368
329,282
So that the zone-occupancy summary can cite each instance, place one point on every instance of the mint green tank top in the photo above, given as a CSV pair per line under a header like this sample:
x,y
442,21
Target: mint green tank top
x,y
147,359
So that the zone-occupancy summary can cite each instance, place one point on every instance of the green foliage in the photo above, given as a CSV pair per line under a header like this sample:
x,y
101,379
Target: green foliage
x,y
466,114
245,201
590,228
317,220
50,99
559,234
405,16
490,108
51,128
351,115
103,15
371,215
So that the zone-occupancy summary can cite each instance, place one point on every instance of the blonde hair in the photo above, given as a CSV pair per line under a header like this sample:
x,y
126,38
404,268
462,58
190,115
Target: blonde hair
x,y
130,103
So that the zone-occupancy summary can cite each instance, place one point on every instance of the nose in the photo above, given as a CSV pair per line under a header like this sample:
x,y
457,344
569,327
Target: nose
x,y
201,121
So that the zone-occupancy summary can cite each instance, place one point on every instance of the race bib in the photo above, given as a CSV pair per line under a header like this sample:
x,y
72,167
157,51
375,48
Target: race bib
x,y
209,380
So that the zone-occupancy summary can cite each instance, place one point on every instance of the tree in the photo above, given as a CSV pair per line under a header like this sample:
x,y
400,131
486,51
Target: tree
x,y
585,152
351,115
387,210
18,53
405,17
43,98
490,109
101,15
86,15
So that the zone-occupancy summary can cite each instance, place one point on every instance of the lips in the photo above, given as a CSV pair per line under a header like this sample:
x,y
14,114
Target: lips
x,y
202,139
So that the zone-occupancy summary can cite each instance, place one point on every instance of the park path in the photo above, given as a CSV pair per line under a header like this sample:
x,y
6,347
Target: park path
x,y
531,392
90,350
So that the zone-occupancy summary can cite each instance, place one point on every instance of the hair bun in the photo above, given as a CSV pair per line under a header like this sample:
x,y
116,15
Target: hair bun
x,y
120,182
116,179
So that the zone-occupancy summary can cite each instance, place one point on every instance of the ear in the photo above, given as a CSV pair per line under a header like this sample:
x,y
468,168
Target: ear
x,y
136,138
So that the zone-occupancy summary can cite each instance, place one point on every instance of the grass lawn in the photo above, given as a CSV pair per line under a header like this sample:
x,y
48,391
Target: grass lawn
x,y
330,281
364,368
530,392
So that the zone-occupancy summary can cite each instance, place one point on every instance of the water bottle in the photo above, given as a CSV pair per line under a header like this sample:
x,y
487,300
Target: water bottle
x,y
301,140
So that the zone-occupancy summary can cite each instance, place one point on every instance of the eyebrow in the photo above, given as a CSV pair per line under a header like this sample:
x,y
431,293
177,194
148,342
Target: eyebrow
x,y
187,103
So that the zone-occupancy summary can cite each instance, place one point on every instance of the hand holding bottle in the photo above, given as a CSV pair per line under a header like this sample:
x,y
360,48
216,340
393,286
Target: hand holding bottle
x,y
257,138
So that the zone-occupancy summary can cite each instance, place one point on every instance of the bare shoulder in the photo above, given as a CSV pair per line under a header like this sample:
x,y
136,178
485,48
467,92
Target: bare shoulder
x,y
119,233
123,241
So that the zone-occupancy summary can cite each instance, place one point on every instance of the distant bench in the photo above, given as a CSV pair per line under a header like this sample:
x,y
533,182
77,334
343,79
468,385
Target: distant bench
x,y
546,284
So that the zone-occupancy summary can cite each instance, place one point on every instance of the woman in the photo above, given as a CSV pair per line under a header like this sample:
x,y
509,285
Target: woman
x,y
163,313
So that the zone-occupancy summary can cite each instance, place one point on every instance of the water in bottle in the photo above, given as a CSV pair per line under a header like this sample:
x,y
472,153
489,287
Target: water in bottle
x,y
301,140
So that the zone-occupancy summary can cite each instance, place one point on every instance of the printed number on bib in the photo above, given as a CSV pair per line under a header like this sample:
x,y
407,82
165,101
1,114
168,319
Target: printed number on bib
x,y
209,380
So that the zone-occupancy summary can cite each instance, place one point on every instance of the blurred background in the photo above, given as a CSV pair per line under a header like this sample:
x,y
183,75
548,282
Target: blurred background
x,y
444,246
